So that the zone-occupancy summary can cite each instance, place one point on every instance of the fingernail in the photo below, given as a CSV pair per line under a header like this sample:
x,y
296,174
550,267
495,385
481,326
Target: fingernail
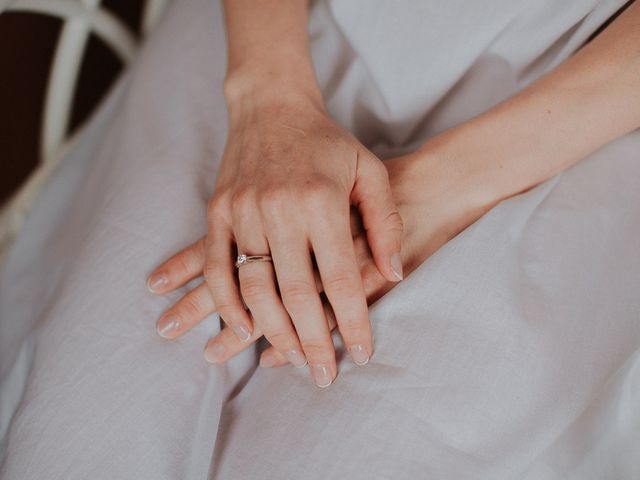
x,y
321,375
396,265
214,353
241,332
296,358
359,354
167,326
156,282
268,360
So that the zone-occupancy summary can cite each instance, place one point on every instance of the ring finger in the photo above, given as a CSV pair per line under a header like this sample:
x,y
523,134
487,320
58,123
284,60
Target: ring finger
x,y
258,287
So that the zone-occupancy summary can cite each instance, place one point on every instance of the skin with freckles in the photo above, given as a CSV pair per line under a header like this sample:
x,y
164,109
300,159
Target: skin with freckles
x,y
437,191
431,219
288,179
288,192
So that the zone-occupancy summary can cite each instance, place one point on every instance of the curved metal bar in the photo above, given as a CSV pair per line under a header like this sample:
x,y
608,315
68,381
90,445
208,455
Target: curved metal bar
x,y
111,30
63,80
81,17
152,13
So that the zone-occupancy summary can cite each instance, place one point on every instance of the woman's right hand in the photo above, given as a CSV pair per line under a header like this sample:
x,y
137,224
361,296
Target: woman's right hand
x,y
288,178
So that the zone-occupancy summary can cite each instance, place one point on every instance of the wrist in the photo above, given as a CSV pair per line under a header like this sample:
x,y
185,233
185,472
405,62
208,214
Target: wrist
x,y
499,154
451,166
431,183
435,197
263,87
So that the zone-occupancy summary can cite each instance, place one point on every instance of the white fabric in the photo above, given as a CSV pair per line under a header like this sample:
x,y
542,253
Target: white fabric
x,y
513,352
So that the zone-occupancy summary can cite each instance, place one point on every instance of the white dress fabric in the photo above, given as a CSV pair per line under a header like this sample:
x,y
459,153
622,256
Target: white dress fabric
x,y
513,352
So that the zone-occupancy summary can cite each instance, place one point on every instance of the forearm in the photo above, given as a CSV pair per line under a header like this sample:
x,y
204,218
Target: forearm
x,y
268,50
591,99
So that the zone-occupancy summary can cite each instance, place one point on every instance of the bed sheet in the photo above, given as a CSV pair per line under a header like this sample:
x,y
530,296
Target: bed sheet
x,y
513,352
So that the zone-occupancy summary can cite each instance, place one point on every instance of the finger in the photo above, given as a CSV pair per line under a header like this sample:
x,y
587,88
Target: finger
x,y
219,273
382,222
294,271
375,285
181,268
190,310
271,358
333,247
226,345
258,287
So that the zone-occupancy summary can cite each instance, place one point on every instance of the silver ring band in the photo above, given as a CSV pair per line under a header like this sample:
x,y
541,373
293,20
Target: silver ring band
x,y
243,259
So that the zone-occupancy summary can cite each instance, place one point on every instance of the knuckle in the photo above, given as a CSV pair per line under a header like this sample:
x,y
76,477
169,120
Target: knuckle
x,y
243,199
230,311
342,284
394,221
281,340
352,325
213,203
191,309
317,351
185,263
217,205
380,170
212,272
242,194
254,289
298,292
274,198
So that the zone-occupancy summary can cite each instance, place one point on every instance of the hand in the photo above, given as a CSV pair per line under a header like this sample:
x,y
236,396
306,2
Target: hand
x,y
288,177
432,205
435,203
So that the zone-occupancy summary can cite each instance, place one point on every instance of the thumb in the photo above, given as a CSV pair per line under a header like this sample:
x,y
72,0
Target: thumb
x,y
383,225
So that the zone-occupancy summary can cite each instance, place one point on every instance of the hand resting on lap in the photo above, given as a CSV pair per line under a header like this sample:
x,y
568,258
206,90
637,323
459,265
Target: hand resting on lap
x,y
457,176
288,178
433,211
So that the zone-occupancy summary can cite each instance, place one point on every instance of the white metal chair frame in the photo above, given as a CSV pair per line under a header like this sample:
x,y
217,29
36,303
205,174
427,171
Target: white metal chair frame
x,y
81,18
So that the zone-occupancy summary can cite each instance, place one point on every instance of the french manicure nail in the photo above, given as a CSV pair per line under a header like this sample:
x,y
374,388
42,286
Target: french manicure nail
x,y
156,282
167,325
296,358
396,265
242,332
214,353
359,354
268,360
321,375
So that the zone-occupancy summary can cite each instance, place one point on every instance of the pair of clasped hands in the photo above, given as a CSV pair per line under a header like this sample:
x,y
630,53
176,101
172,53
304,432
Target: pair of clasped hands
x,y
341,227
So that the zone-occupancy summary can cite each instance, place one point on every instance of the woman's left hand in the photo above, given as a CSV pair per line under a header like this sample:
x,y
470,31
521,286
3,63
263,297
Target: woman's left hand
x,y
434,202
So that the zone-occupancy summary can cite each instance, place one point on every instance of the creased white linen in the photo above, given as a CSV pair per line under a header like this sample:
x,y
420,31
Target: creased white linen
x,y
513,352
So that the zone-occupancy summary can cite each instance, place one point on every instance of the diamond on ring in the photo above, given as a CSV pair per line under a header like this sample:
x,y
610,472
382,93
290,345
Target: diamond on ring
x,y
243,259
